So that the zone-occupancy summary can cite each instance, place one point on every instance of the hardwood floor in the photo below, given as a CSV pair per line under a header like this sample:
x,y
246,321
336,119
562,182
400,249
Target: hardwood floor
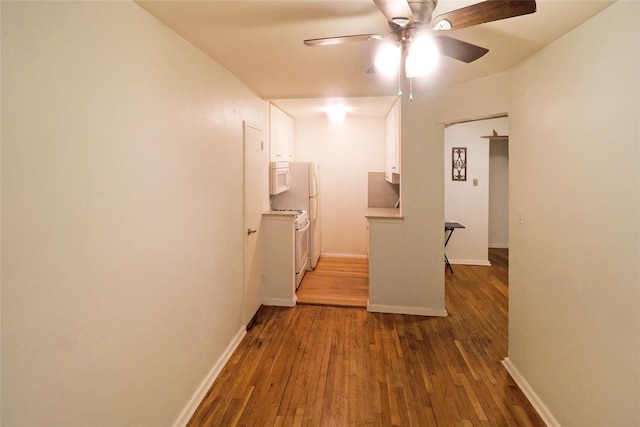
x,y
315,365
336,281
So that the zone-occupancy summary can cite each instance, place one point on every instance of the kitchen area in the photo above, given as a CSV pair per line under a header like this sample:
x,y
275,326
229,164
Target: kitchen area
x,y
338,174
363,211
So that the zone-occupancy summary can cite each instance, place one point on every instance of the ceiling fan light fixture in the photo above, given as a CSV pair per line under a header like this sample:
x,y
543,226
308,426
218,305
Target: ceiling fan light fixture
x,y
400,21
388,59
422,57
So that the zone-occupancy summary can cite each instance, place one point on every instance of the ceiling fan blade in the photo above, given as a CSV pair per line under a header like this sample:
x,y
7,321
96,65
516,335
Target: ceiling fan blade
x,y
326,41
462,51
393,9
486,11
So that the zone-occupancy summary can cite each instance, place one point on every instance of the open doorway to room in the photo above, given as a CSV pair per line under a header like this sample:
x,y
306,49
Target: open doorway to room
x,y
498,193
476,188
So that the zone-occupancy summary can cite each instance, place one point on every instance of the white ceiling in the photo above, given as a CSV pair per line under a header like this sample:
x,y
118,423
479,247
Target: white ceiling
x,y
260,42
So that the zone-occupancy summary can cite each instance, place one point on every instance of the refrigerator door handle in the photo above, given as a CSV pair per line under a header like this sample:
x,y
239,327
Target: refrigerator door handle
x,y
313,207
315,190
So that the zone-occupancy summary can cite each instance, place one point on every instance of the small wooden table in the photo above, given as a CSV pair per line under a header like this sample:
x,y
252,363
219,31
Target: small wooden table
x,y
449,227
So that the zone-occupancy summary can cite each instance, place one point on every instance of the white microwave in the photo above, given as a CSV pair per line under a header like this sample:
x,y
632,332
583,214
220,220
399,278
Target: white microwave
x,y
280,177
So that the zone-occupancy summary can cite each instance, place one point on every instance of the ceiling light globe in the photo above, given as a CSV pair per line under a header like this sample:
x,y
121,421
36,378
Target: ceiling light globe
x,y
422,57
388,59
336,113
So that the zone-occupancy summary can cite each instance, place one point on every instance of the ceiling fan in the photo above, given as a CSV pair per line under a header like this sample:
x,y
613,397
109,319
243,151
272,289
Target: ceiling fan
x,y
410,20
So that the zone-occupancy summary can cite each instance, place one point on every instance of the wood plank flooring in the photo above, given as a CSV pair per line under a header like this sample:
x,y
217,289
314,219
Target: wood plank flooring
x,y
314,365
336,281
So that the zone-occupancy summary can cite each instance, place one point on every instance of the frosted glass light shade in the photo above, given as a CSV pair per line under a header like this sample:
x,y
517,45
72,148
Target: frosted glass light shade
x,y
387,59
336,113
422,57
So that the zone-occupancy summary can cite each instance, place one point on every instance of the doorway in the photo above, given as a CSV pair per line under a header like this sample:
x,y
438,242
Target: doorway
x,y
498,193
255,156
477,195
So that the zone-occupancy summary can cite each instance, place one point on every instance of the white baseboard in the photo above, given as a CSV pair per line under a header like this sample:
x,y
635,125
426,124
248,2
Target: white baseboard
x,y
418,311
344,256
530,394
498,246
280,302
206,384
483,262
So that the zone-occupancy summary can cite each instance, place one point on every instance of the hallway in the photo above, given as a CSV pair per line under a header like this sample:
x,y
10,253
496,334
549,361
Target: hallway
x,y
327,365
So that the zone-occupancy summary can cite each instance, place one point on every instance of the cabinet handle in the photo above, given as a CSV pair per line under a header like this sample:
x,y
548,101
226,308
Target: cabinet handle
x,y
250,231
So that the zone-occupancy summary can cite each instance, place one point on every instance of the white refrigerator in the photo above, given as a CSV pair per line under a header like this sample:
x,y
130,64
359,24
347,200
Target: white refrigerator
x,y
304,193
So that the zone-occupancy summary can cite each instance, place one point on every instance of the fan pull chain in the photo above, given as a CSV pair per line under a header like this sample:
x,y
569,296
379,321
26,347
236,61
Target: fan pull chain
x,y
410,89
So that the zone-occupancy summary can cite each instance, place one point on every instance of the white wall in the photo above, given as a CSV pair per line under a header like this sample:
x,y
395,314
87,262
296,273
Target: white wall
x,y
464,202
346,152
574,322
122,251
406,266
478,99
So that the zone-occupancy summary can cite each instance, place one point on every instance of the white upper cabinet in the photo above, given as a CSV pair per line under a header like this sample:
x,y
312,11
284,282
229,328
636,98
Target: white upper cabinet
x,y
282,135
392,144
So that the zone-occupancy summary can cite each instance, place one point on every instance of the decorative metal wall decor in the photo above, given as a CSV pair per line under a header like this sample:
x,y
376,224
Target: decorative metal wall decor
x,y
459,163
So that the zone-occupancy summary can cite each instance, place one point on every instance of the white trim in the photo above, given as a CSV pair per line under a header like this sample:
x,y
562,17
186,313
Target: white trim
x,y
205,385
343,256
419,311
280,302
530,394
470,262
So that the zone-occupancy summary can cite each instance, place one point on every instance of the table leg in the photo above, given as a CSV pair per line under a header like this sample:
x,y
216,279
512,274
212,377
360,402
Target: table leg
x,y
447,265
446,260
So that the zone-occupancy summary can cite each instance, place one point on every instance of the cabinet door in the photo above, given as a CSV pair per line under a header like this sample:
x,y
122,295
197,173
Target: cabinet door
x,y
274,133
288,138
392,145
281,135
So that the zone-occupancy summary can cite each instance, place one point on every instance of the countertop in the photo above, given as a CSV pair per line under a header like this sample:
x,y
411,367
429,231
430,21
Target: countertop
x,y
292,214
393,213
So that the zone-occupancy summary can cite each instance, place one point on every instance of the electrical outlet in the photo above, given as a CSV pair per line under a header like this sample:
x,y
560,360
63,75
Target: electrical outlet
x,y
520,216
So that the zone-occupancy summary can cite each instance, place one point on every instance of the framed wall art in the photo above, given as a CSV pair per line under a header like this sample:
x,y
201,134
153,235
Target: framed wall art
x,y
459,164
